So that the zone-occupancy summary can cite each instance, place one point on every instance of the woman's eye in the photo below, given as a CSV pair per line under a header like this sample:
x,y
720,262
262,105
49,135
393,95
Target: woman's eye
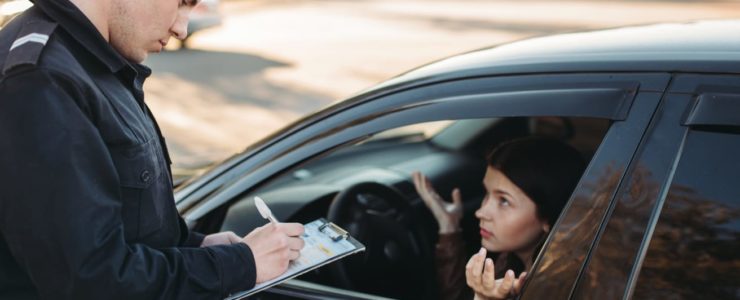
x,y
504,202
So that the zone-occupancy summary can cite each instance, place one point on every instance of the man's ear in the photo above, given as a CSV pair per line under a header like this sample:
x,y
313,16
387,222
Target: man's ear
x,y
546,226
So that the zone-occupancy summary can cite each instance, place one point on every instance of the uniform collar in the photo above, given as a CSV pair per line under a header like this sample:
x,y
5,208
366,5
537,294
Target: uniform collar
x,y
72,20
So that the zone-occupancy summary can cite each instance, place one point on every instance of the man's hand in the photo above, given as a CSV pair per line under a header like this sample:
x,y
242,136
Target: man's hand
x,y
221,238
481,279
273,247
448,215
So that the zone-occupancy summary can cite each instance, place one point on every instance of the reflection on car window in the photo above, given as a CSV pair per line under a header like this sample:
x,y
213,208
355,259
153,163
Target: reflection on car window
x,y
695,249
427,129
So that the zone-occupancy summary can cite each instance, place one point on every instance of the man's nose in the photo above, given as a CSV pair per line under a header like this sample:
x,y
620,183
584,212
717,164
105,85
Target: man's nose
x,y
179,28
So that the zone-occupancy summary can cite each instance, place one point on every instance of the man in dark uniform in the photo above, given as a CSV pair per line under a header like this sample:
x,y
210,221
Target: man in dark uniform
x,y
86,203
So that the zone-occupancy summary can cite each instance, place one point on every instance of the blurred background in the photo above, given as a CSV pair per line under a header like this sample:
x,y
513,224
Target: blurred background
x,y
252,66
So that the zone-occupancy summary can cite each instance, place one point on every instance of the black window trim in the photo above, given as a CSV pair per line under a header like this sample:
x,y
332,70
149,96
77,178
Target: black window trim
x,y
216,178
715,103
714,109
536,103
629,136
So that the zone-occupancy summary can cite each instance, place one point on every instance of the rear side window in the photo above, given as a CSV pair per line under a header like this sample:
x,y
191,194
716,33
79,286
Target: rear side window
x,y
694,252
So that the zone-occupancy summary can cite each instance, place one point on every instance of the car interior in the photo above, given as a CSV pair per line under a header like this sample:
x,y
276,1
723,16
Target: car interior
x,y
367,189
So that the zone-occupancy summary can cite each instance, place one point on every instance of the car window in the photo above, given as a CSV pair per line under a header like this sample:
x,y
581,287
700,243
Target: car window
x,y
388,158
304,169
426,130
694,252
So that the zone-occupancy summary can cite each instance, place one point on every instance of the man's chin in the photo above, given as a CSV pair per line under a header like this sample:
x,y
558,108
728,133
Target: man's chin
x,y
139,58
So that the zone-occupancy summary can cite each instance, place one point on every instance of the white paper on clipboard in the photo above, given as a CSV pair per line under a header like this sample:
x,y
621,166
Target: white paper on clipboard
x,y
324,243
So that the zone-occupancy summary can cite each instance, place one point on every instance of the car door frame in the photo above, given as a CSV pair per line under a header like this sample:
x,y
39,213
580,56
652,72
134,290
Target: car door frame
x,y
691,100
628,100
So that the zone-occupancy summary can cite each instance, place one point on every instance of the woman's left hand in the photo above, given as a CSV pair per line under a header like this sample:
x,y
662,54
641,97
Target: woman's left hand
x,y
479,273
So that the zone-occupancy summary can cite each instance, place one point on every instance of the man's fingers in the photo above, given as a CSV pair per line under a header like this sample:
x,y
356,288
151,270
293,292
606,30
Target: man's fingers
x,y
295,244
233,238
290,229
294,255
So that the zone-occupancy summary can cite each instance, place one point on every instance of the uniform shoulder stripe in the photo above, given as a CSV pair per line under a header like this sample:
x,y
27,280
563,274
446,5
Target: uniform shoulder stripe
x,y
31,37
28,46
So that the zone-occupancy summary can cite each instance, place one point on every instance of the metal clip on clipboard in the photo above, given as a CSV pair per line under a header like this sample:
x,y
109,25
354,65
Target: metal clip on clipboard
x,y
318,252
335,232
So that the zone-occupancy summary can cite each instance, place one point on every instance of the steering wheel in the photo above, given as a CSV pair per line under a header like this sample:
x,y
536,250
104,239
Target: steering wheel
x,y
398,260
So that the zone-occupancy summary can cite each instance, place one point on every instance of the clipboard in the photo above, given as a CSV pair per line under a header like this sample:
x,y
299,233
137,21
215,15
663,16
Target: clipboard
x,y
325,242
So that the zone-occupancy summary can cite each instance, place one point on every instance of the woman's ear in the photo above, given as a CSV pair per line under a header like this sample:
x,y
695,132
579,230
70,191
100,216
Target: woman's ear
x,y
546,227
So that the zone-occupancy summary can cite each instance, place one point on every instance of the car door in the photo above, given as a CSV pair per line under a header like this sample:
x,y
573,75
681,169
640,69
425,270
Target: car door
x,y
627,100
566,253
673,231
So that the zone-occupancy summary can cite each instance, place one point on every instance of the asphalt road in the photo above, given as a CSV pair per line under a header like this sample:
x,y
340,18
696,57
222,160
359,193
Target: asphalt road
x,y
273,61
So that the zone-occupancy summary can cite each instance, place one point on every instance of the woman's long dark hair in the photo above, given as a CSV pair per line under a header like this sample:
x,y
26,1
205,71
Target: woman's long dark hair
x,y
547,170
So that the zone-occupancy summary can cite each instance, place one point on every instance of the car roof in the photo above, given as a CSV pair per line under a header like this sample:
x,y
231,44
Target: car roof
x,y
704,46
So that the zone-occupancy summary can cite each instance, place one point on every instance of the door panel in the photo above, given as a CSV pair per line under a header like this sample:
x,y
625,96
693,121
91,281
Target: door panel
x,y
694,102
609,265
691,248
560,262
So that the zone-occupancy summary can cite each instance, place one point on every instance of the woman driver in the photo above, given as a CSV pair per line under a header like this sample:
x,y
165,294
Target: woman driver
x,y
528,182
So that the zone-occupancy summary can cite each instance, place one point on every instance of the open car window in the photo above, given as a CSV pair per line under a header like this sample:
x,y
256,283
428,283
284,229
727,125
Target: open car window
x,y
387,158
353,153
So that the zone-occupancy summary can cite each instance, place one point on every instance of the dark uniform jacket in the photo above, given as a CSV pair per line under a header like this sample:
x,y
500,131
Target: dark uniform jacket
x,y
86,203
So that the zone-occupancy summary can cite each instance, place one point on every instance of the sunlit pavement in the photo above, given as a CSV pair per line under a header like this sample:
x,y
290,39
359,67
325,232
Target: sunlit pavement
x,y
273,61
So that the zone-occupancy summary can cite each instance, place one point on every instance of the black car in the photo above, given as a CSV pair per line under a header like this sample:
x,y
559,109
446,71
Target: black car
x,y
656,214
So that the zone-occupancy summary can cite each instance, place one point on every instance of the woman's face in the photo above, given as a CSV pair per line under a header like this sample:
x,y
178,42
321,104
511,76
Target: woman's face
x,y
508,217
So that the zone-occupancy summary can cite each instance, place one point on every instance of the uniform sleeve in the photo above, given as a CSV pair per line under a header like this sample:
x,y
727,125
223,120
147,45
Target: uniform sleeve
x,y
190,238
60,210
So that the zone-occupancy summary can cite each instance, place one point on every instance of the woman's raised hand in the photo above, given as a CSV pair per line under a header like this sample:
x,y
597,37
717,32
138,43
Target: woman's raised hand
x,y
448,215
479,274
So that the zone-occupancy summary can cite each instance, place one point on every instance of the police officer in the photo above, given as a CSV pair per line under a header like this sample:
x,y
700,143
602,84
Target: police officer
x,y
86,203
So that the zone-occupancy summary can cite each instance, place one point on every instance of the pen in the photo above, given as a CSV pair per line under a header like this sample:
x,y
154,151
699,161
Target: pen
x,y
264,210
